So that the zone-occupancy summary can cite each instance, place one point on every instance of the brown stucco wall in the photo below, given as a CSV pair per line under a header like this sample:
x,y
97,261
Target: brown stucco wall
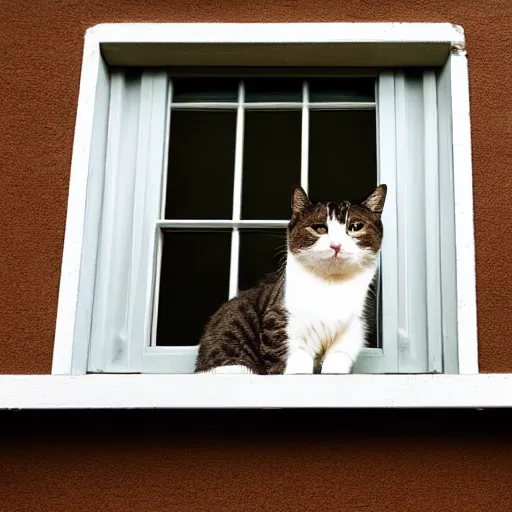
x,y
271,460
276,461
40,59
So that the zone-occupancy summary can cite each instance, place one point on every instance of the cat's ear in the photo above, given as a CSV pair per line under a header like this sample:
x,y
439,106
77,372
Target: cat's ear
x,y
375,201
299,199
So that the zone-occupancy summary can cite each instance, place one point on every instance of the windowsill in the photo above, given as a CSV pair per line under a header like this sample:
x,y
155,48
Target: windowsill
x,y
248,391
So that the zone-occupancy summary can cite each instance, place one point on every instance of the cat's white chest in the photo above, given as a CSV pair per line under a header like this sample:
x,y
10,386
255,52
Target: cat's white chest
x,y
310,299
320,310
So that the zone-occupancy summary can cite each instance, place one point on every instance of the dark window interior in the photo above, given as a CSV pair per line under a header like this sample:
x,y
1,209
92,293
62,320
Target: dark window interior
x,y
195,90
271,165
342,154
262,251
194,281
201,160
341,89
273,89
195,264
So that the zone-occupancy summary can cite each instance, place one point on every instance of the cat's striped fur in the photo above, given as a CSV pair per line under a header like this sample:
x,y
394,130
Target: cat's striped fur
x,y
249,330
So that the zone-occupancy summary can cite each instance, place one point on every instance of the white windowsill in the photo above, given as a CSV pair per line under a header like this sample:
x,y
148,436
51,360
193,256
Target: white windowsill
x,y
248,391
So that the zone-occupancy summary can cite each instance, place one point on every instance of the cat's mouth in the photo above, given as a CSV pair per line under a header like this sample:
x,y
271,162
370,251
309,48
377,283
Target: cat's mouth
x,y
340,256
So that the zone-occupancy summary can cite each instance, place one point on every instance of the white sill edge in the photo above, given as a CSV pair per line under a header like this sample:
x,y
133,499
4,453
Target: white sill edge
x,y
276,32
135,391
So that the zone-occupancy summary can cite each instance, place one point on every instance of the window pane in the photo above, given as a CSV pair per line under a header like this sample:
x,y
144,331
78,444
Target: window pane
x,y
201,165
204,89
194,282
271,163
273,89
262,251
342,155
342,89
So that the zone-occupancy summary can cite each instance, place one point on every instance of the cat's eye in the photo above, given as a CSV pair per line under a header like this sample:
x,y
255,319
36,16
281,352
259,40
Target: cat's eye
x,y
355,226
321,229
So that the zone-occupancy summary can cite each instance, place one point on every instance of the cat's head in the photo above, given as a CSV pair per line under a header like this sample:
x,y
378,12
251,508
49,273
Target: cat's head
x,y
335,238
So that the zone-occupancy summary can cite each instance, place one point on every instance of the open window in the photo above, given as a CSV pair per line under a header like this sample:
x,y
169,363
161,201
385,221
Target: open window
x,y
188,176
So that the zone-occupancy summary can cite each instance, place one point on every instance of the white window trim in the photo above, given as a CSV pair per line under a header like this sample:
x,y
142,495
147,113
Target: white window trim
x,y
118,41
133,205
250,391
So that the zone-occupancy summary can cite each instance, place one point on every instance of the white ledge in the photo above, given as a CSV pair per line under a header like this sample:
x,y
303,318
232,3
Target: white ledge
x,y
281,44
248,391
276,32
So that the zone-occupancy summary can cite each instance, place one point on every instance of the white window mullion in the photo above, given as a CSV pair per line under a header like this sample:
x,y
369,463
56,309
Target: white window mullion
x,y
109,345
412,243
220,223
401,205
237,191
447,234
304,159
158,241
432,224
277,105
463,203
167,135
233,268
387,174
151,173
385,360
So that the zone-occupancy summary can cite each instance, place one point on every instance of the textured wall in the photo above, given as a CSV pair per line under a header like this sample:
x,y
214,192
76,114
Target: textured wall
x,y
256,461
40,58
217,461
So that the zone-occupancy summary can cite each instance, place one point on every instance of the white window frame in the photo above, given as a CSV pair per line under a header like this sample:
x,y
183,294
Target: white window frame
x,y
122,335
123,331
340,44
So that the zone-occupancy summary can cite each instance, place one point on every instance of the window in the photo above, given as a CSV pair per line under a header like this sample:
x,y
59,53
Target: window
x,y
185,158
236,147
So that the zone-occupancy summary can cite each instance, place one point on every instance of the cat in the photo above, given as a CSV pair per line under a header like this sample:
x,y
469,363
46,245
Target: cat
x,y
313,312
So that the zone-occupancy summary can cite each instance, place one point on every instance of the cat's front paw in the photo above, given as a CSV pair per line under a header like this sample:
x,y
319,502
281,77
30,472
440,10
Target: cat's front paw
x,y
337,363
299,362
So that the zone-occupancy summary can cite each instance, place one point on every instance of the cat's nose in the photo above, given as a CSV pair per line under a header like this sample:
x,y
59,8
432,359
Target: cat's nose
x,y
336,248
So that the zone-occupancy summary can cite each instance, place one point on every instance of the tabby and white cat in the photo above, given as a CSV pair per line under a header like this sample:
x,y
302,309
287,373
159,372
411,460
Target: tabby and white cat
x,y
314,310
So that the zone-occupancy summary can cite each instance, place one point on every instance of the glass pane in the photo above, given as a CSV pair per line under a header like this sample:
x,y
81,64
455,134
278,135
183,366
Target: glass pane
x,y
262,251
271,164
342,155
341,89
194,282
273,89
201,165
204,89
